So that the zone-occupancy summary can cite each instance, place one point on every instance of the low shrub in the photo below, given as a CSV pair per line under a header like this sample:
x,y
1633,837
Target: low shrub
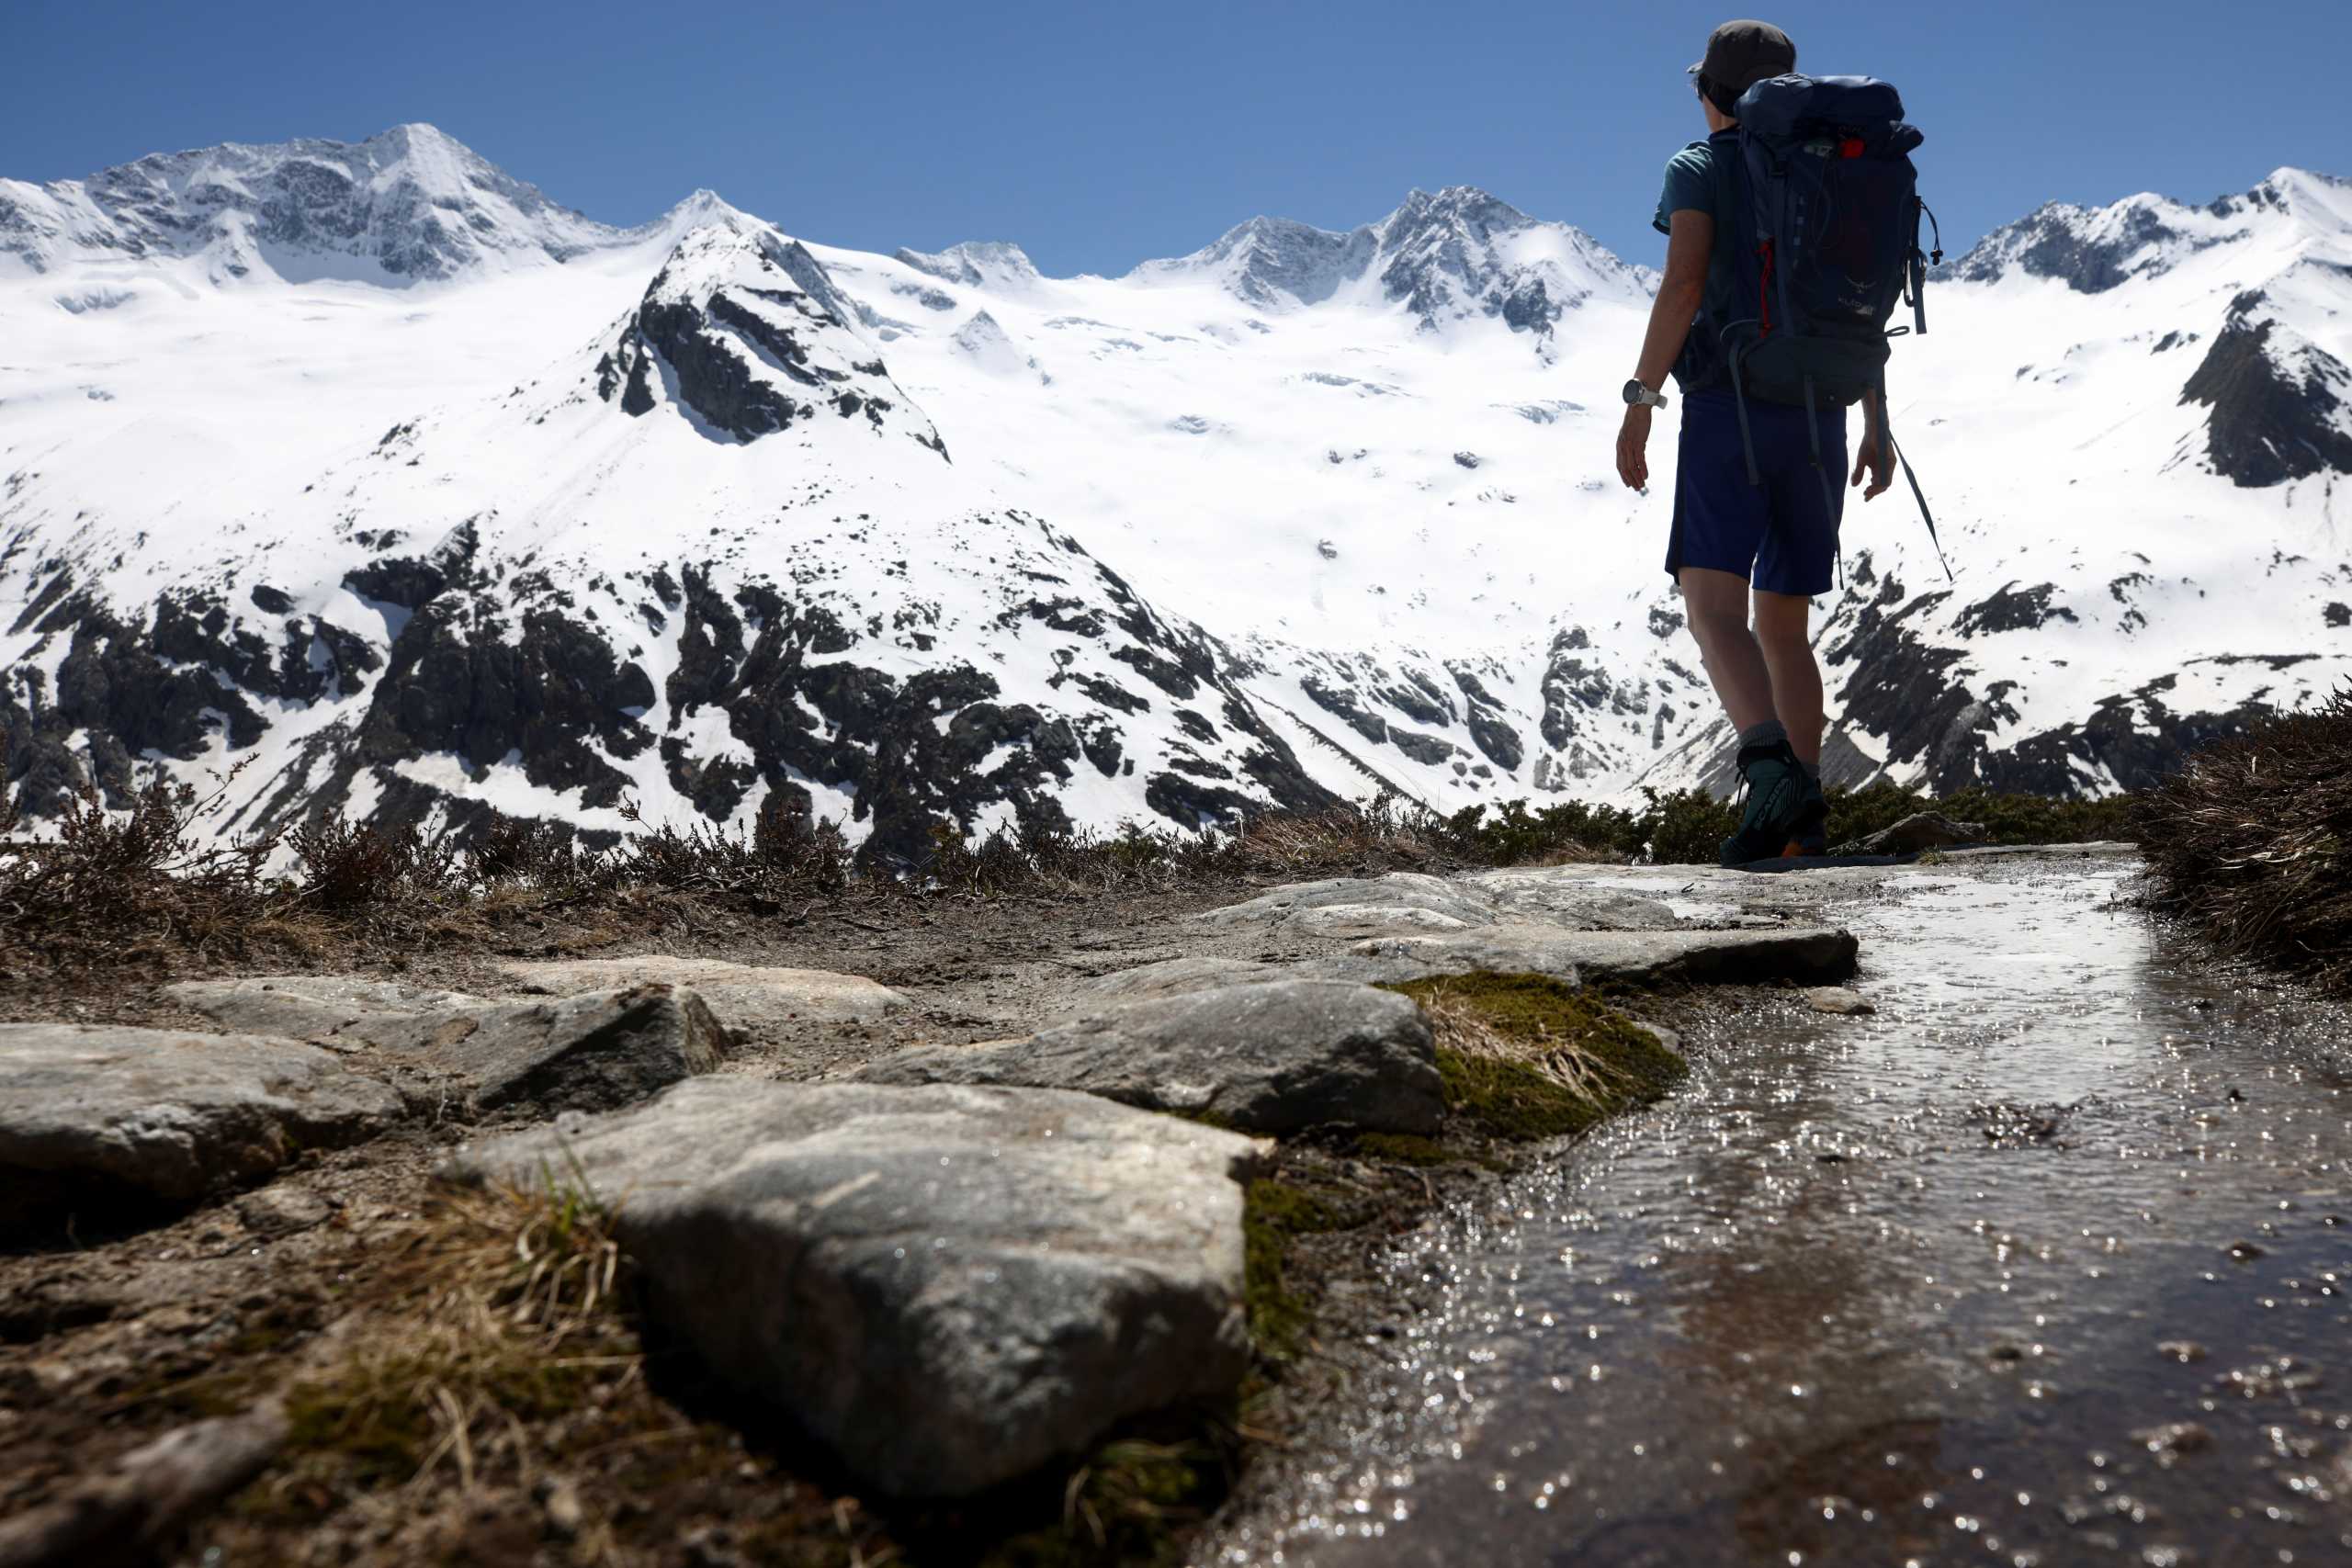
x,y
2252,842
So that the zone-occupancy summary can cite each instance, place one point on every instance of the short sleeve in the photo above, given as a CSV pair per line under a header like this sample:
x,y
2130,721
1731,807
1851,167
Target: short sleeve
x,y
1689,185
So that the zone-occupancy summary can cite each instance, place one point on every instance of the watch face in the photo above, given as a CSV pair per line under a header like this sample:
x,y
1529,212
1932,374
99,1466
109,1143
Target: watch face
x,y
1635,392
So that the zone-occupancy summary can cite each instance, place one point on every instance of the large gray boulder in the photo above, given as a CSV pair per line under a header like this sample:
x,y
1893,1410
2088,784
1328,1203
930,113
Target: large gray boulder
x,y
98,1112
744,997
950,1286
584,1053
1268,1057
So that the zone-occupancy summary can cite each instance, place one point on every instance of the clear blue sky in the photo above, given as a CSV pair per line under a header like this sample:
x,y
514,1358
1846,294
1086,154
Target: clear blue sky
x,y
1097,135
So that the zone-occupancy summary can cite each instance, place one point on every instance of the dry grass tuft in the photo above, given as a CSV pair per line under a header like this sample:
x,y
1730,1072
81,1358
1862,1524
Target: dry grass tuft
x,y
487,1330
2253,843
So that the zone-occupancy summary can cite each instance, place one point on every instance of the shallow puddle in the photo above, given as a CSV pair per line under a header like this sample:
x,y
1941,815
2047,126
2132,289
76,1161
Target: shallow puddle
x,y
2047,1262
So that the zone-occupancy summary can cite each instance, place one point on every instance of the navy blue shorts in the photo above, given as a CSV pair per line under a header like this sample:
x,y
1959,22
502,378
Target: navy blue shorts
x,y
1781,535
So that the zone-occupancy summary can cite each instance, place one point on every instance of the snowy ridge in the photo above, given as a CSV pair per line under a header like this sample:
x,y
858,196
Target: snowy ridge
x,y
1456,254
452,500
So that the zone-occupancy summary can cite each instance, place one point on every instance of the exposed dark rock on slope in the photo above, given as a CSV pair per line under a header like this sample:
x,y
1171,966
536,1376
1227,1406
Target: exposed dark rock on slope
x,y
2282,406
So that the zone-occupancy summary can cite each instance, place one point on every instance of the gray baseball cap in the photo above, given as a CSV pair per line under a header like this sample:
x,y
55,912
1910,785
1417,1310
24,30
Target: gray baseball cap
x,y
1740,55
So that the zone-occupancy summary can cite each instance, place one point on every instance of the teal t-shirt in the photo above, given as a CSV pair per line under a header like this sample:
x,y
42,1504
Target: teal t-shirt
x,y
1695,181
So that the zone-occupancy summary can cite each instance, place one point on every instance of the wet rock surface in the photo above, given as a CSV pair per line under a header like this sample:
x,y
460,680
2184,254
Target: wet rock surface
x,y
89,1114
1275,1057
1954,1282
1749,956
1570,922
589,1052
946,1285
1843,1001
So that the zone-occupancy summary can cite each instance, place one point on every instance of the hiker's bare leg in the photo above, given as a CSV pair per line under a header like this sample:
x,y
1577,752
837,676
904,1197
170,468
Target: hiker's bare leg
x,y
1796,679
1716,603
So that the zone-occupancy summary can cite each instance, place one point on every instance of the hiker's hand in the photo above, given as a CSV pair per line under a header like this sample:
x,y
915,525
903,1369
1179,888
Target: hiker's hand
x,y
1872,457
1633,448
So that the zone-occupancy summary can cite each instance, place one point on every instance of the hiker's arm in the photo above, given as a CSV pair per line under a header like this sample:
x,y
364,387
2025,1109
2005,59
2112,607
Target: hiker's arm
x,y
1875,456
1691,240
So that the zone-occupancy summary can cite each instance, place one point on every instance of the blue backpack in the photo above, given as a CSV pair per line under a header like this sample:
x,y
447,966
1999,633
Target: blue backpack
x,y
1827,245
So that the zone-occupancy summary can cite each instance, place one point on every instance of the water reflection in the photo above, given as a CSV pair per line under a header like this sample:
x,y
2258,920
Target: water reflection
x,y
1892,1288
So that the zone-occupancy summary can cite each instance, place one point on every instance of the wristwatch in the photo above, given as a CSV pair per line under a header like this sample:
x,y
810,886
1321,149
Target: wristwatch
x,y
1639,396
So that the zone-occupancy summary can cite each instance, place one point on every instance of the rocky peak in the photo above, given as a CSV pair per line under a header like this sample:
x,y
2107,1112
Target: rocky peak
x,y
757,339
1458,252
2093,248
1274,262
407,205
2280,405
975,264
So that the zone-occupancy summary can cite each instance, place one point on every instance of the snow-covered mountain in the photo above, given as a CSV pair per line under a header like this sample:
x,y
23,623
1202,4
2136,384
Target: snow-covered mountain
x,y
370,465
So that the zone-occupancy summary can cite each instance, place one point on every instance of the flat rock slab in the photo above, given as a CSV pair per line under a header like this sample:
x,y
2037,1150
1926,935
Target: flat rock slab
x,y
950,1286
1274,1056
1403,901
1173,977
584,1053
743,995
1542,893
303,1006
1404,895
1815,954
168,1113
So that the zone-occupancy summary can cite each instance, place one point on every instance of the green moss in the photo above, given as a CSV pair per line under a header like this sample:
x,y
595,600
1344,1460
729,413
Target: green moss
x,y
1514,1099
1511,1099
1407,1148
1271,1214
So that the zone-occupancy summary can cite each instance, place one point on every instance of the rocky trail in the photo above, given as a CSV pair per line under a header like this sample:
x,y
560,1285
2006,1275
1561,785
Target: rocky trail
x,y
2042,1260
960,1199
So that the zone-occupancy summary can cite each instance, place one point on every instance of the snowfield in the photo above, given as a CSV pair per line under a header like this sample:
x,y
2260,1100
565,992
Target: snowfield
x,y
369,465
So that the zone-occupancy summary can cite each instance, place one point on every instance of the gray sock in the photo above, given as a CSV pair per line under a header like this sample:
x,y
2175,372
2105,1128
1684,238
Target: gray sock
x,y
1771,732
1812,770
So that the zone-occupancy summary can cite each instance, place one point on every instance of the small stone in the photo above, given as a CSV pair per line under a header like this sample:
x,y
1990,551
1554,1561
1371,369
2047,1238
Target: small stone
x,y
2173,1439
2247,1251
2182,1350
282,1210
559,1501
1838,999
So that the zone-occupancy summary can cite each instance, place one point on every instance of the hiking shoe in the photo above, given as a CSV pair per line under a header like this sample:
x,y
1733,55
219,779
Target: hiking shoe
x,y
1776,797
1811,834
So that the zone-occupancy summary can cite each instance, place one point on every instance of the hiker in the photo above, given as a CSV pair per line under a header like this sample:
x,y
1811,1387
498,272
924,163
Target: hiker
x,y
1754,520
